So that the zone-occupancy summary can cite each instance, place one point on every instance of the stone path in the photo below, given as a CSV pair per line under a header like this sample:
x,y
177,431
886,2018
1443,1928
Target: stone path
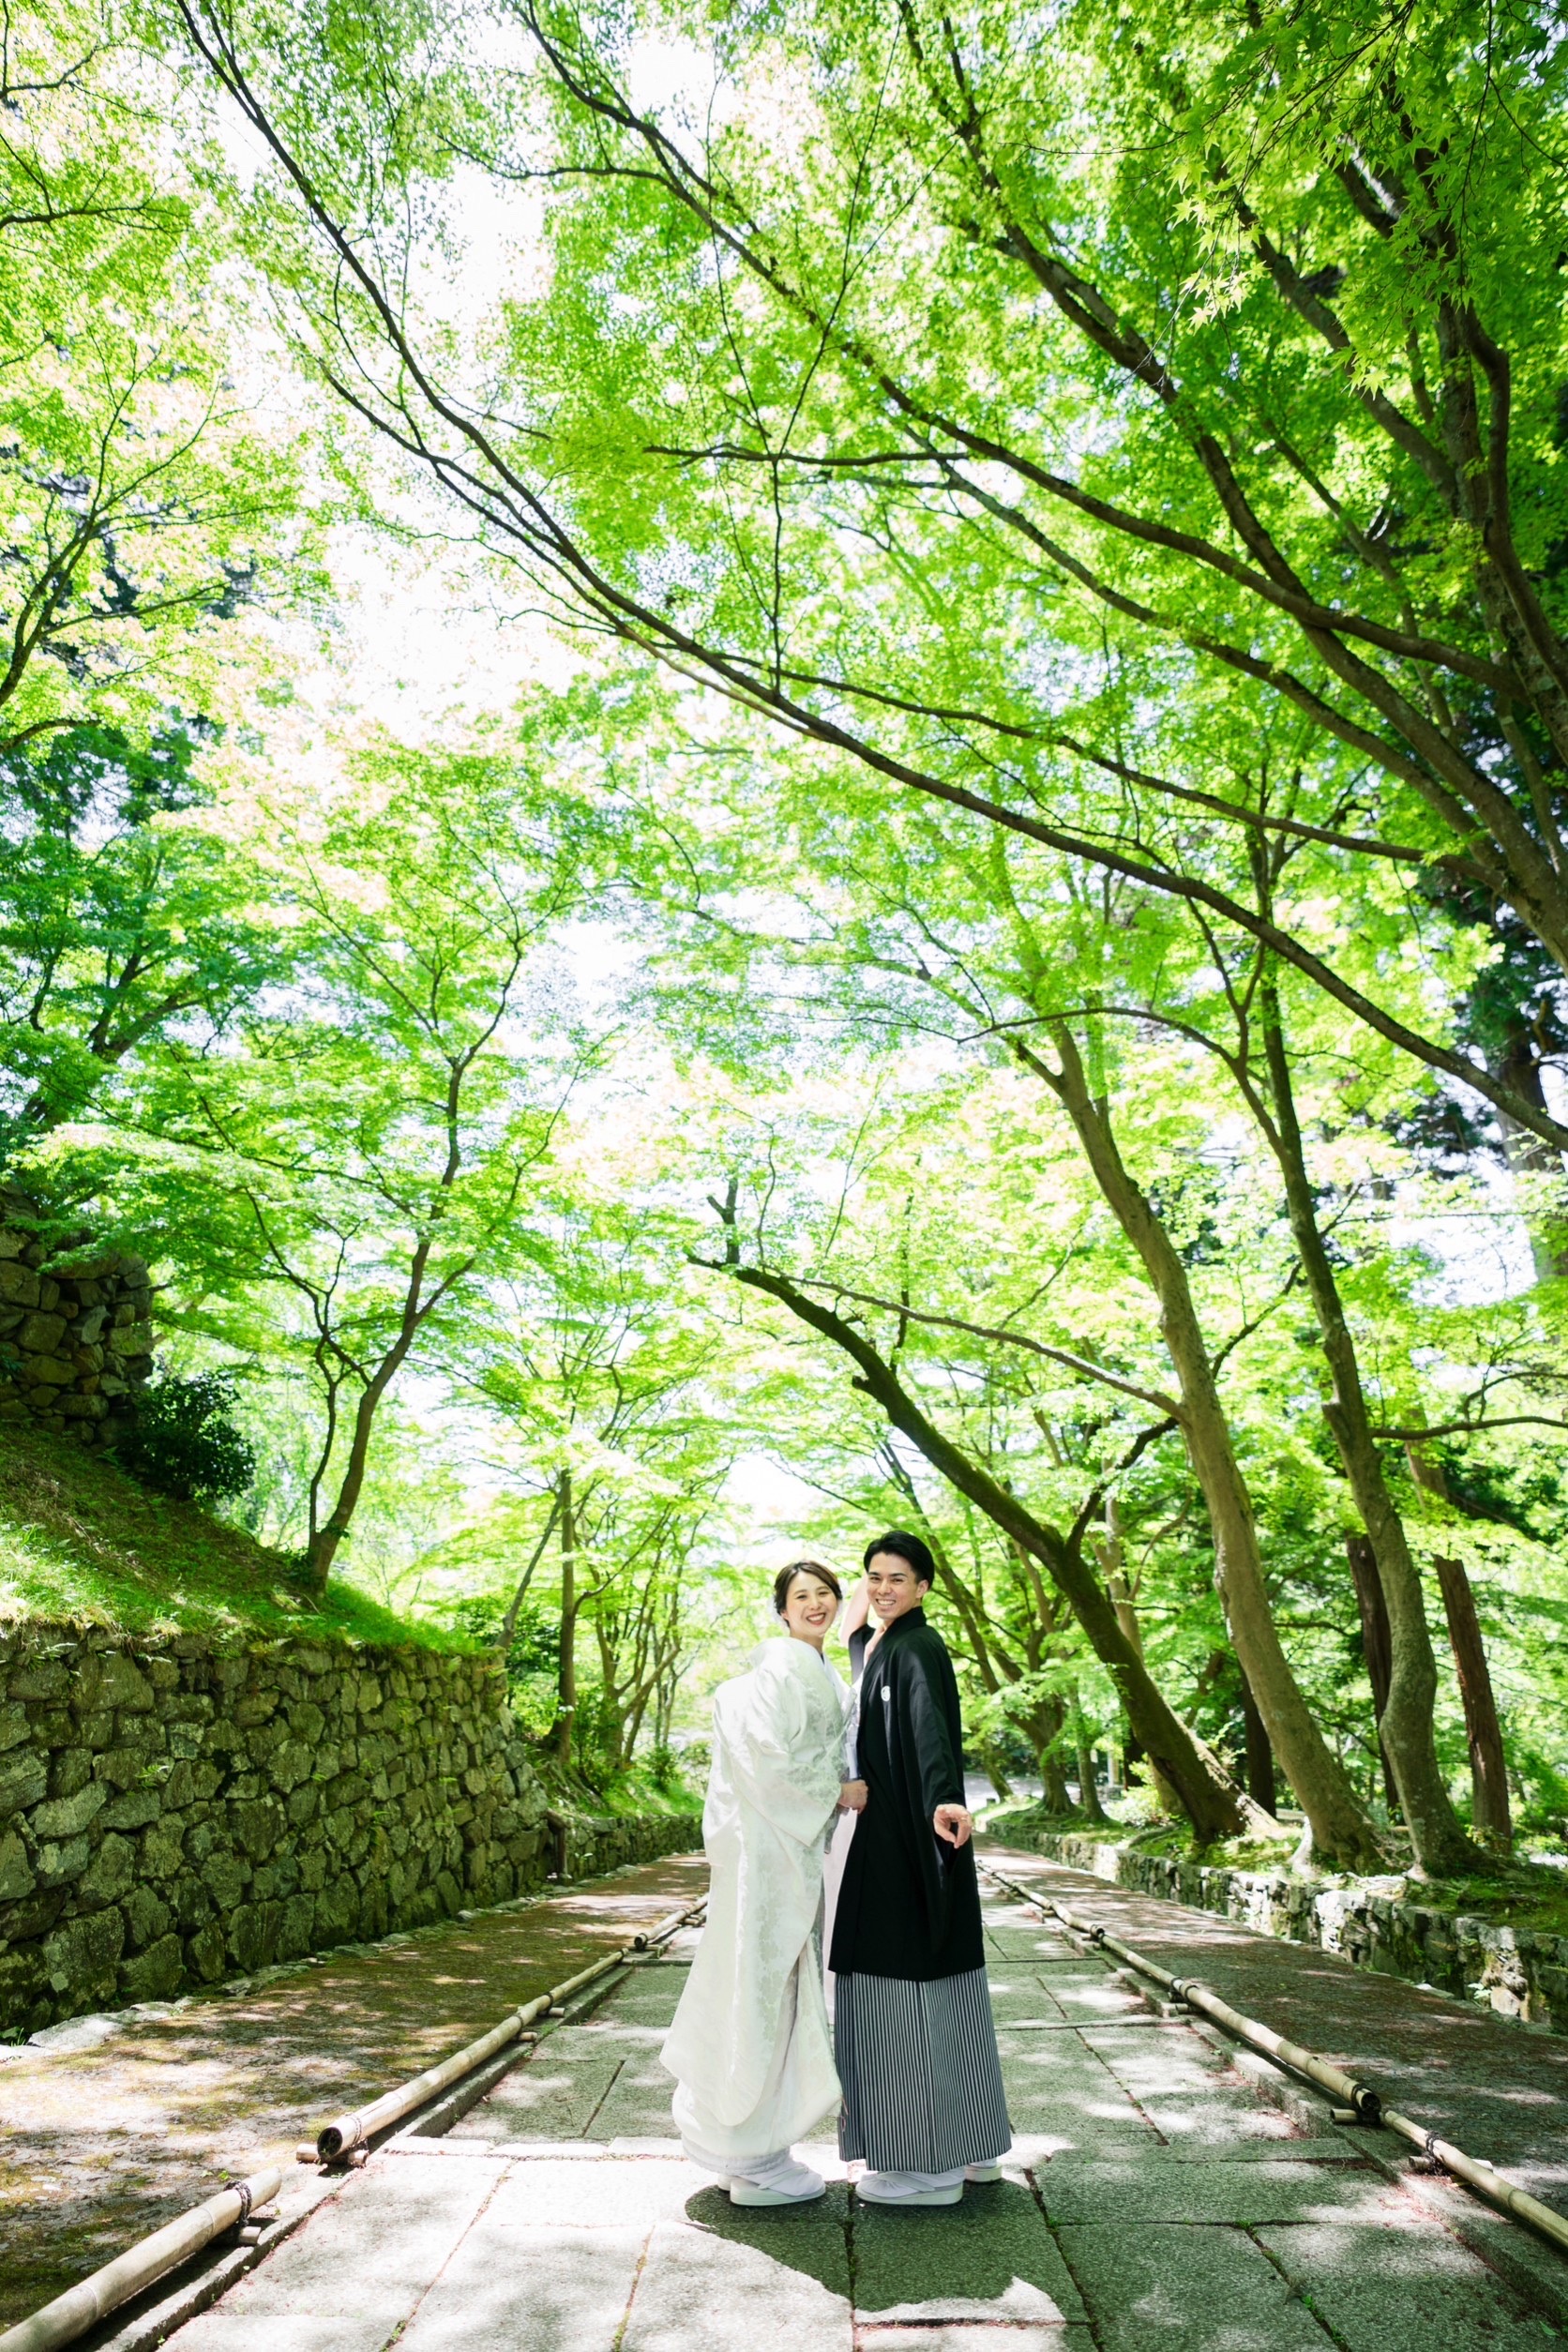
x,y
1499,2090
110,2125
1154,2199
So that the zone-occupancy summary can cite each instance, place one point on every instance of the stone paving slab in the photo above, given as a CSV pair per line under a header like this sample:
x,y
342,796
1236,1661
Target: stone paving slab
x,y
1188,2090
1196,2290
529,2290
645,2004
365,2255
1151,2059
542,2099
992,2257
1094,2001
703,2291
1018,1997
1213,2128
1251,2148
980,2337
637,2105
1398,2288
222,2331
1060,2082
1243,2195
1189,2216
628,2195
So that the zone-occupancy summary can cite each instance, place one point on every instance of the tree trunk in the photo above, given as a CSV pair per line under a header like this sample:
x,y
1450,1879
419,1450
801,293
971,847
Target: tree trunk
x,y
324,1544
1112,1560
1260,1756
1340,1831
323,1548
1376,1645
1210,1800
1089,1795
1406,1722
1042,1726
567,1672
509,1622
1493,1818
1518,1065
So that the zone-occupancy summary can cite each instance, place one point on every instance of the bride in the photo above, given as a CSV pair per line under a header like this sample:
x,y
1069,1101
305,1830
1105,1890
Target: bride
x,y
750,2047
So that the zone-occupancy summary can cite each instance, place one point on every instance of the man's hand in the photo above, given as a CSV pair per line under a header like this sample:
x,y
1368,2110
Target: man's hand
x,y
851,1796
858,1608
952,1824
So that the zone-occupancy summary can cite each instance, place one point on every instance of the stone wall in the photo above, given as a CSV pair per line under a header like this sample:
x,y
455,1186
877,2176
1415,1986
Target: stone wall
x,y
176,1811
585,1845
1513,1970
75,1340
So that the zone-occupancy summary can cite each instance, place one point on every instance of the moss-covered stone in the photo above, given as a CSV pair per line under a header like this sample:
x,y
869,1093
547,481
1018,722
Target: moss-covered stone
x,y
156,1974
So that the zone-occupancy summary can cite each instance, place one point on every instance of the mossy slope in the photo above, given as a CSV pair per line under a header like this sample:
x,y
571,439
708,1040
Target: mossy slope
x,y
82,1542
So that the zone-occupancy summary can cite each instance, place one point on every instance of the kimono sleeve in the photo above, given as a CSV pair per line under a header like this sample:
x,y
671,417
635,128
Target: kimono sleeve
x,y
938,1773
785,1757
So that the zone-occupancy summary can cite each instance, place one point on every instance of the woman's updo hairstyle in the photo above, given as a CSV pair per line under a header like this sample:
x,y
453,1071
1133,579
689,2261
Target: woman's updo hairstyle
x,y
905,1547
786,1577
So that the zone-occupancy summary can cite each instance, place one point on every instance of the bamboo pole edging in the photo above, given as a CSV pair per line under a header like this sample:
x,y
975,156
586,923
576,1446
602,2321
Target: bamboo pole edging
x,y
335,2142
1367,2102
141,2266
152,2258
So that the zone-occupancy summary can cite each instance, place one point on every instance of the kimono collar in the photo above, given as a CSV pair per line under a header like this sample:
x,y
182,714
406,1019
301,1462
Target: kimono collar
x,y
785,1652
910,1617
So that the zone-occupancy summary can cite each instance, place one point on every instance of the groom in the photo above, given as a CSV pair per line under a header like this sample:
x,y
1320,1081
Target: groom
x,y
914,2041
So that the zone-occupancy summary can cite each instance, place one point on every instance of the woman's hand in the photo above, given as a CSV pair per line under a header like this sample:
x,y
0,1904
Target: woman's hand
x,y
954,1824
851,1796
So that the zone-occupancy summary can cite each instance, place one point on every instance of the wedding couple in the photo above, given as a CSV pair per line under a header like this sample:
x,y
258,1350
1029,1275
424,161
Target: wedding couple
x,y
917,2082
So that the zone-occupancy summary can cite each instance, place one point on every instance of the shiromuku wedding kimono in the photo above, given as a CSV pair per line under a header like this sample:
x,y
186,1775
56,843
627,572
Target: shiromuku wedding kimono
x,y
750,2047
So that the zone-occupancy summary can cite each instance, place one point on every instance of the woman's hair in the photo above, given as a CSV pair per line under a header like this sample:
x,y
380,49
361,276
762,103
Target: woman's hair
x,y
907,1547
786,1577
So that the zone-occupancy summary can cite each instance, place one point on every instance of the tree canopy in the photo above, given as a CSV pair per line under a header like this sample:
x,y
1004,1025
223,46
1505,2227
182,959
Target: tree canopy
x,y
1008,965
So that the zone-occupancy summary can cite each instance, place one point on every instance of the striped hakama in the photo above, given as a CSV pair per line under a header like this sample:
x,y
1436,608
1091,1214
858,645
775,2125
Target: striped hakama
x,y
922,2080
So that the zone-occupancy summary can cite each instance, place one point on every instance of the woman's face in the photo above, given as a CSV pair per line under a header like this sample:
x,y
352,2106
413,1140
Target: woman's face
x,y
810,1607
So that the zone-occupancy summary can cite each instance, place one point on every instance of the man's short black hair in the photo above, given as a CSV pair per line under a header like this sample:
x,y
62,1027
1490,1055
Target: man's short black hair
x,y
907,1547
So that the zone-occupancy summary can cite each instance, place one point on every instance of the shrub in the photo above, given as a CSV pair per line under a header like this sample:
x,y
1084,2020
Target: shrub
x,y
183,1441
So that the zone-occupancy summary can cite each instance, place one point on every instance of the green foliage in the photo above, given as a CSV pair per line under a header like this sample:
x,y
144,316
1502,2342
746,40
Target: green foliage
x,y
1144,436
1113,474
182,1440
124,919
146,510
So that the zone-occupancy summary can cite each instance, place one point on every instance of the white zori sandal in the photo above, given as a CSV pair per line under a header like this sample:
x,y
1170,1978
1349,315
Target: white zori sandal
x,y
909,2188
780,2181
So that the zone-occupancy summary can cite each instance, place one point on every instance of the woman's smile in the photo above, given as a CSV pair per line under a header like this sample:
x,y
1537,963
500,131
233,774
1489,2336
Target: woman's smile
x,y
808,1606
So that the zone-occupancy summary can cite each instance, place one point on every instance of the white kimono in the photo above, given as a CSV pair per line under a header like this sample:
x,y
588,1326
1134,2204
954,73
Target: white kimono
x,y
750,2047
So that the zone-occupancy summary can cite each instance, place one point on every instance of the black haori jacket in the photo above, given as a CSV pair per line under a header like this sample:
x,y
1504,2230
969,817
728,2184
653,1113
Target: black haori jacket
x,y
909,1905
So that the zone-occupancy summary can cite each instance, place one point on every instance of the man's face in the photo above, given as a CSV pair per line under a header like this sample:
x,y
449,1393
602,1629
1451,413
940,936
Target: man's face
x,y
895,1587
